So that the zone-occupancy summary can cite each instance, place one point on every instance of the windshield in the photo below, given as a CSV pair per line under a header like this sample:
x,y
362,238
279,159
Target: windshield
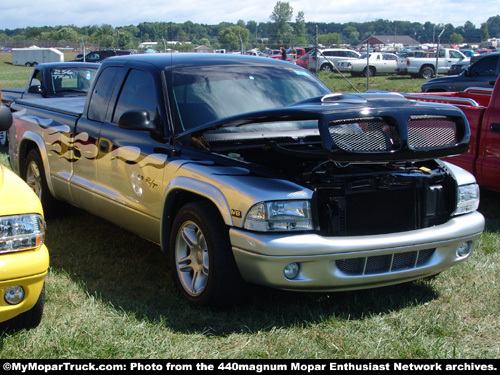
x,y
205,94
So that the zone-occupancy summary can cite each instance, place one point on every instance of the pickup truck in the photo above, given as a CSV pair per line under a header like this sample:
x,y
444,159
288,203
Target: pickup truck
x,y
402,64
425,67
54,80
50,80
482,73
250,170
482,109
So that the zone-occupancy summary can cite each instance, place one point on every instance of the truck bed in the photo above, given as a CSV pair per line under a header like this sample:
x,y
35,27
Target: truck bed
x,y
9,95
72,106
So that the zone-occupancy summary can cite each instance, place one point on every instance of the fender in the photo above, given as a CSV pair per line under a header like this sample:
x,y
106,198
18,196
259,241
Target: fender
x,y
31,137
192,187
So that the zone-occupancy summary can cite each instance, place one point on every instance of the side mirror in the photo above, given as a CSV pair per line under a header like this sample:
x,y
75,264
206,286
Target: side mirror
x,y
137,119
5,118
35,89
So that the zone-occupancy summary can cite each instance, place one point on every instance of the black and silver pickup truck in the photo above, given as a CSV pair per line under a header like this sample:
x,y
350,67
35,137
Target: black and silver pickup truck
x,y
247,169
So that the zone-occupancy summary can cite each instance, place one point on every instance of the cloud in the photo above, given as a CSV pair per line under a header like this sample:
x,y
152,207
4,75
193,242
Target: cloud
x,y
28,13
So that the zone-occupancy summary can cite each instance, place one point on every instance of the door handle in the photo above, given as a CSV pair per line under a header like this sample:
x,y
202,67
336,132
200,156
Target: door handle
x,y
104,146
495,128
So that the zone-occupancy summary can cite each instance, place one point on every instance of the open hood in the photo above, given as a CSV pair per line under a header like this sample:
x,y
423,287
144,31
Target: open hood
x,y
373,127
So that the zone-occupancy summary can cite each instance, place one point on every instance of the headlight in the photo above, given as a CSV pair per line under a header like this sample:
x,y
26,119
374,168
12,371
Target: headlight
x,y
279,216
468,199
21,232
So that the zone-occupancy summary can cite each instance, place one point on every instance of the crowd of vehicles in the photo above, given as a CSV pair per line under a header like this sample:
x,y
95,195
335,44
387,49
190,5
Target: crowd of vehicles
x,y
246,170
252,173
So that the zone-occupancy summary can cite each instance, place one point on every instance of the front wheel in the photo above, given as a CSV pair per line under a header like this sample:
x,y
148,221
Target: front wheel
x,y
201,260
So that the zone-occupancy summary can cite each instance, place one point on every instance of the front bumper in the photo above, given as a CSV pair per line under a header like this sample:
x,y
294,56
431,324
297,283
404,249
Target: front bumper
x,y
349,263
27,269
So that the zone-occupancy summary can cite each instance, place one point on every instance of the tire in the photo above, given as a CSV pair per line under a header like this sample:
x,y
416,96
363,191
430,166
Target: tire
x,y
34,176
427,72
28,64
370,71
201,260
28,319
3,139
326,68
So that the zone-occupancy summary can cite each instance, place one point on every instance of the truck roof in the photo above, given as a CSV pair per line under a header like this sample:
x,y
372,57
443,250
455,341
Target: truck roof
x,y
173,60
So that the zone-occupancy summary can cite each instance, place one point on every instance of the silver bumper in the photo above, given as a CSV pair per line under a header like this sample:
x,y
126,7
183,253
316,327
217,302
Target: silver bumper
x,y
348,263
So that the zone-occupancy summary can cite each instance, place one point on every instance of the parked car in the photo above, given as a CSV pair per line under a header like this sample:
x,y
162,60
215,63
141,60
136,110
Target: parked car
x,y
426,67
54,80
291,56
483,73
325,59
98,56
376,63
304,60
402,65
247,169
24,258
482,109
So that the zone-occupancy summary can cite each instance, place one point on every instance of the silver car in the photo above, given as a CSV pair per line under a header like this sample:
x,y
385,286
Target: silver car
x,y
324,59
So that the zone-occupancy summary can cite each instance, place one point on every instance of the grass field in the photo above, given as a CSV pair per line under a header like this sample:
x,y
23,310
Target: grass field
x,y
109,295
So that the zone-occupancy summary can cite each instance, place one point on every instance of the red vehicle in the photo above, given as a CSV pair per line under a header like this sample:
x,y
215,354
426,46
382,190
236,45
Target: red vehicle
x,y
300,52
482,109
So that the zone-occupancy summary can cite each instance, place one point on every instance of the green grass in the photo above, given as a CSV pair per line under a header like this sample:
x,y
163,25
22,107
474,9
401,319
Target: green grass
x,y
109,295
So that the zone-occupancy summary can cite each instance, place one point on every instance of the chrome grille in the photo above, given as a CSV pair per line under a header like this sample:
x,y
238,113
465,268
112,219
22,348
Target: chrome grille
x,y
362,135
384,263
427,132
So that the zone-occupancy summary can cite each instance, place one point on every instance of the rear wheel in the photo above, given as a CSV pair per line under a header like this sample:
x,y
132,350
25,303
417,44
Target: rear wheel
x,y
370,71
326,68
427,72
201,260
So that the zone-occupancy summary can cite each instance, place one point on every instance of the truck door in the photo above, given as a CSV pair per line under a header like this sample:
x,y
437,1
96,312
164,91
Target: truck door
x,y
130,161
85,148
489,154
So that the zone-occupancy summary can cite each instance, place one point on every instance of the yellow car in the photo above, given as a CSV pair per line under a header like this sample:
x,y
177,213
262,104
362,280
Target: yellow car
x,y
24,258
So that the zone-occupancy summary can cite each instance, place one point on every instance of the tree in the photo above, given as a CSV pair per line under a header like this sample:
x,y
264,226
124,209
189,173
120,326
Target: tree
x,y
485,35
330,39
282,14
300,29
456,38
232,37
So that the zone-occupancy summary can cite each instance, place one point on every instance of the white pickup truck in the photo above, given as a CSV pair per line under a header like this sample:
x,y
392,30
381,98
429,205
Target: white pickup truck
x,y
425,67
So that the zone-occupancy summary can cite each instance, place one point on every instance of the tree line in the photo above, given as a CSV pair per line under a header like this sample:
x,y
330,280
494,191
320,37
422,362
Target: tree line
x,y
282,28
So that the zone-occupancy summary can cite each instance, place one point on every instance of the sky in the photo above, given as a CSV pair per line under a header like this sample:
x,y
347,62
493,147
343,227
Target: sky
x,y
26,13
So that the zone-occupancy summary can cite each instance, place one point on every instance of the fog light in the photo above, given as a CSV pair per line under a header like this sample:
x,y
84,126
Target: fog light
x,y
464,249
14,295
291,270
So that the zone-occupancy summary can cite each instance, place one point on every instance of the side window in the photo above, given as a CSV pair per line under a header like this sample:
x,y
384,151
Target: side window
x,y
487,66
101,94
138,92
37,78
